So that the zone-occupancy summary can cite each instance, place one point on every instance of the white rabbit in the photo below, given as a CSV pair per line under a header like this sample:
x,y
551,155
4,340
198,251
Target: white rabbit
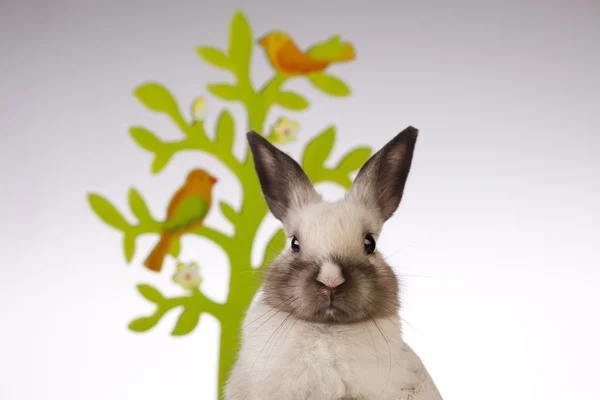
x,y
325,324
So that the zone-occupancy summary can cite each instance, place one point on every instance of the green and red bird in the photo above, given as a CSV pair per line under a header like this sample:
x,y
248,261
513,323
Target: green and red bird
x,y
185,214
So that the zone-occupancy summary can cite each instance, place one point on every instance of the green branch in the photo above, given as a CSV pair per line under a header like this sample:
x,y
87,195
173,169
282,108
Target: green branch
x,y
193,306
147,224
195,137
318,151
224,241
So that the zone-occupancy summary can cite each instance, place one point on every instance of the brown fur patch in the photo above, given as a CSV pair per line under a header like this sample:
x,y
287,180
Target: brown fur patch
x,y
370,289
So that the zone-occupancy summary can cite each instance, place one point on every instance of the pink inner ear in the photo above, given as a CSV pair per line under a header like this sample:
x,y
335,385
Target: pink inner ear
x,y
396,156
267,159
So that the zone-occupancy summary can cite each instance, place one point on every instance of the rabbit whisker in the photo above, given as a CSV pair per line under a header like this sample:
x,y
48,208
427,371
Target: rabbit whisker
x,y
275,250
275,331
392,304
366,326
413,242
291,325
389,352
292,298
416,276
409,324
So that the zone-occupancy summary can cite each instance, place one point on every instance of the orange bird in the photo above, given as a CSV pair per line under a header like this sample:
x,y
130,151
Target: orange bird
x,y
288,59
185,213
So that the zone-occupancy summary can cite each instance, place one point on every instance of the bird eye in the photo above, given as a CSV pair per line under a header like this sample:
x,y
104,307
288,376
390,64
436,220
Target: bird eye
x,y
295,245
369,244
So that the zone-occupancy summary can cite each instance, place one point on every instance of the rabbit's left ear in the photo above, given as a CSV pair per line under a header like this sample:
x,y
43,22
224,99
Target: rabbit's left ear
x,y
284,183
380,182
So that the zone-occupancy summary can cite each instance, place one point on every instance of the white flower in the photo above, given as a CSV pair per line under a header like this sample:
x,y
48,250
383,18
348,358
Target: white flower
x,y
285,131
188,275
199,109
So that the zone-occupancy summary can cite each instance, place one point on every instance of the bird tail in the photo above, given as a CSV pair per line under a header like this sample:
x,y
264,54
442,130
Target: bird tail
x,y
156,258
347,53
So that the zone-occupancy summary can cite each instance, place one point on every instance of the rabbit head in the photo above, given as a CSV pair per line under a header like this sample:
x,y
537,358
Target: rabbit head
x,y
330,270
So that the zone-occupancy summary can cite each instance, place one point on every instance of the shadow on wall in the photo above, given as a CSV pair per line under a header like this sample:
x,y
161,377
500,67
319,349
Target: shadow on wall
x,y
192,201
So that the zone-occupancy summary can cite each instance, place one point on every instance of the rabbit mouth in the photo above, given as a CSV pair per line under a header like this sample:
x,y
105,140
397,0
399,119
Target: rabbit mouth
x,y
331,313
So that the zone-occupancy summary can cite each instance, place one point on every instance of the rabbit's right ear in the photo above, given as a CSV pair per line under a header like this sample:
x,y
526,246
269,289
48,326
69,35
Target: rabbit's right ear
x,y
380,182
284,183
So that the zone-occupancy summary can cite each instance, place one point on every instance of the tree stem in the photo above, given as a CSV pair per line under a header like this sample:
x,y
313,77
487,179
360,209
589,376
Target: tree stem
x,y
229,344
243,284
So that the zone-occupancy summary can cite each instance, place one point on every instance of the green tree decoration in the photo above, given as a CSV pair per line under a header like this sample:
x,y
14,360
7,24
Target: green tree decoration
x,y
288,63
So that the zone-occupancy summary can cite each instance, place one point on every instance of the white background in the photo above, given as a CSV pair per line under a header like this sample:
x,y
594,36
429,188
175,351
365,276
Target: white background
x,y
496,240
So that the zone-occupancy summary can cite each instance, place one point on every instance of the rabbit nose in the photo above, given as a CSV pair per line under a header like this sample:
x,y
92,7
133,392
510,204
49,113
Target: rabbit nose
x,y
330,275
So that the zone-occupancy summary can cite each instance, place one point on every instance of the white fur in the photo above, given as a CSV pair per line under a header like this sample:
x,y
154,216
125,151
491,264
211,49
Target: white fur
x,y
333,227
287,359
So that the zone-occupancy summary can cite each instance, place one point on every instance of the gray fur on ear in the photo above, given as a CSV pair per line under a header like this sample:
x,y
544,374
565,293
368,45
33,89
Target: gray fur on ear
x,y
380,182
284,183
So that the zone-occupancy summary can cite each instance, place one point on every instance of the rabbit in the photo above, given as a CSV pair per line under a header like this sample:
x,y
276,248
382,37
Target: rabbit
x,y
325,323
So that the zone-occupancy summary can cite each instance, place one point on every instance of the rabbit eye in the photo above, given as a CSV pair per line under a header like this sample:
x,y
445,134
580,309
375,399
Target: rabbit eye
x,y
295,245
369,244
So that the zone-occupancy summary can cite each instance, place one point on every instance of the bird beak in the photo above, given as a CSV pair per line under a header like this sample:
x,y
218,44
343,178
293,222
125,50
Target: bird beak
x,y
263,40
213,180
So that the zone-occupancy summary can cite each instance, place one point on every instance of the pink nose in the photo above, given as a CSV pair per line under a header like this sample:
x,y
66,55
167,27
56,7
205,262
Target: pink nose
x,y
331,283
330,275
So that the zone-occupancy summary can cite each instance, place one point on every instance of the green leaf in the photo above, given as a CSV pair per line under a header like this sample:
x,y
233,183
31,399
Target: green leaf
x,y
160,161
144,138
187,322
329,84
157,98
225,130
175,247
214,56
229,212
354,159
291,100
225,91
150,293
329,49
143,324
317,151
129,247
138,206
107,212
240,44
274,247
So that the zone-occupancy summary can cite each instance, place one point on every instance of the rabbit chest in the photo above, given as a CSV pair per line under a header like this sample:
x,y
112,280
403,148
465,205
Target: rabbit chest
x,y
285,358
